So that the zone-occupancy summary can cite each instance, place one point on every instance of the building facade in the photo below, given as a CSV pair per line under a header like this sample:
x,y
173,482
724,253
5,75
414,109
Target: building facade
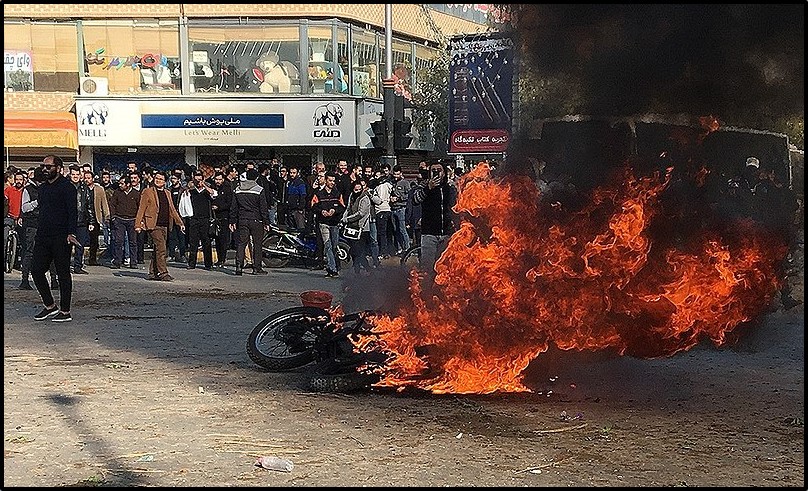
x,y
172,84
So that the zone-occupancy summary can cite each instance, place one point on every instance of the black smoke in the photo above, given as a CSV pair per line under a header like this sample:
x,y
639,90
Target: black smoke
x,y
742,63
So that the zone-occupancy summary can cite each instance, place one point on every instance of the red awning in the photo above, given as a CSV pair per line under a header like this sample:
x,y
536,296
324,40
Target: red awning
x,y
45,129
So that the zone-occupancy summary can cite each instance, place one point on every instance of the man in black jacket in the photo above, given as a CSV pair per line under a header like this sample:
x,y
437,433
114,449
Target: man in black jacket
x,y
56,234
436,198
249,213
221,211
85,222
202,197
29,212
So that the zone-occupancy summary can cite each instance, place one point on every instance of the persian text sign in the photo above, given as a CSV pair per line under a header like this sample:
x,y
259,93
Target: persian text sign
x,y
480,93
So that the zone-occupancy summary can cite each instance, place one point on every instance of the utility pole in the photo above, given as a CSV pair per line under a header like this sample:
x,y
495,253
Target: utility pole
x,y
388,85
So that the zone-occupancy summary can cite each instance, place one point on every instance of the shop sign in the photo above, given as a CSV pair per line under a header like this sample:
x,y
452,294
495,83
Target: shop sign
x,y
18,70
198,123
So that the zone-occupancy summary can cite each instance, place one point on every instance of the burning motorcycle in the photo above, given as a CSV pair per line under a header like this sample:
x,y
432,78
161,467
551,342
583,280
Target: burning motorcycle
x,y
281,246
300,336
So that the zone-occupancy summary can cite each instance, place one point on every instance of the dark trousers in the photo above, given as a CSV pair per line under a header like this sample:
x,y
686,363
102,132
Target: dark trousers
x,y
223,239
109,253
176,240
28,255
141,246
92,254
359,252
382,224
125,227
83,236
198,231
247,229
47,250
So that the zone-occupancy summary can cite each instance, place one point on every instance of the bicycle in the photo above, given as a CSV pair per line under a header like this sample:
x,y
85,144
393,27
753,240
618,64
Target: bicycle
x,y
11,249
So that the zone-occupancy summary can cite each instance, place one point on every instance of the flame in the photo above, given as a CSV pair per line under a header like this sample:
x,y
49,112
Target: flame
x,y
522,274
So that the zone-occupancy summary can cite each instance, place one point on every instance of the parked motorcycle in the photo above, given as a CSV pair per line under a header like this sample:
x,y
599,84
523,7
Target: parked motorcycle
x,y
299,336
283,245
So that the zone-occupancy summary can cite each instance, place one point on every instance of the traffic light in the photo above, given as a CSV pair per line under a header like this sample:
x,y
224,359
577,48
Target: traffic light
x,y
379,138
401,136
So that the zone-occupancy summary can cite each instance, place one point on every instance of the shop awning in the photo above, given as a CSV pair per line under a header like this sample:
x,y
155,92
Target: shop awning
x,y
41,129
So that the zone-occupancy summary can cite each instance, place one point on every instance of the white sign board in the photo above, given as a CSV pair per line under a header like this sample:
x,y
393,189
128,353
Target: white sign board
x,y
322,122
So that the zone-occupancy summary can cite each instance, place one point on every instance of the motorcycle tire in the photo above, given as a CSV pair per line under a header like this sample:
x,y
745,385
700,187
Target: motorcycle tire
x,y
344,253
272,243
280,355
339,383
411,258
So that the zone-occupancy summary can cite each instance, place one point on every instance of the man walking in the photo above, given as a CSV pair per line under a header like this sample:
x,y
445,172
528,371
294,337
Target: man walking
x,y
29,212
56,233
157,215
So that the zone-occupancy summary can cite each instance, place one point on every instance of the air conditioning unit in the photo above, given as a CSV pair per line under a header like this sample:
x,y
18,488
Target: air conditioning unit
x,y
94,86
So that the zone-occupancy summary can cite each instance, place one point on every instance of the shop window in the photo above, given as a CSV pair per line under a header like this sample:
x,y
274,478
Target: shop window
x,y
134,55
255,59
40,57
365,64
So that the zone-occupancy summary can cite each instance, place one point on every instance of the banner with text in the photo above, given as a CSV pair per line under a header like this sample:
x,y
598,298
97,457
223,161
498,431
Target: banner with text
x,y
480,93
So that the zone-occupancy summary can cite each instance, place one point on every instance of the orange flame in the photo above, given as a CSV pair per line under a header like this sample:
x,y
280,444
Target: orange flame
x,y
520,275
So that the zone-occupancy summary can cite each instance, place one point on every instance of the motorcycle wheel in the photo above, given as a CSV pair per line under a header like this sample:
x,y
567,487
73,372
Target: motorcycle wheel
x,y
411,258
267,344
339,383
272,243
344,253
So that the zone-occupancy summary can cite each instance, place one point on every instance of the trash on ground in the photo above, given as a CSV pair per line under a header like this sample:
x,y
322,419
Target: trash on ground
x,y
275,464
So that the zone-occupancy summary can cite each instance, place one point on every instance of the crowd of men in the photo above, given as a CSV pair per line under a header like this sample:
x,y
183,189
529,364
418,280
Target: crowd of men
x,y
186,215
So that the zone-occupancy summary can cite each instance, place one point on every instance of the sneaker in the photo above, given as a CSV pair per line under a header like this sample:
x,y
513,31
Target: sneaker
x,y
114,266
152,277
46,313
80,271
62,317
25,286
165,277
331,274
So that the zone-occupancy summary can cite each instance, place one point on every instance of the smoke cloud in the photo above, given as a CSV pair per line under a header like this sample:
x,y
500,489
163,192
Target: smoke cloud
x,y
738,62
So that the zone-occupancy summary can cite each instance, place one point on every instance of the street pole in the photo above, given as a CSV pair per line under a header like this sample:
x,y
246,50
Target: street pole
x,y
388,85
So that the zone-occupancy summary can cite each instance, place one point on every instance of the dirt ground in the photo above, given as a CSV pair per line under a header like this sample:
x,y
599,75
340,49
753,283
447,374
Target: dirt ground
x,y
150,385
